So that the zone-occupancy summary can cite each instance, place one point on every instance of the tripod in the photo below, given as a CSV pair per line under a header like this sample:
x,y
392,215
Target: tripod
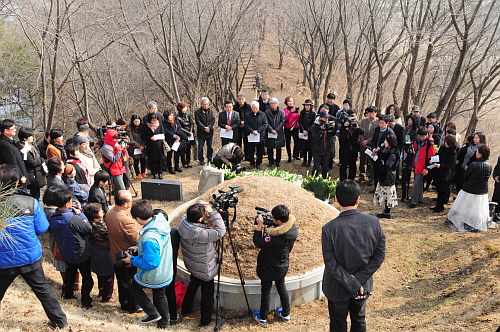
x,y
218,325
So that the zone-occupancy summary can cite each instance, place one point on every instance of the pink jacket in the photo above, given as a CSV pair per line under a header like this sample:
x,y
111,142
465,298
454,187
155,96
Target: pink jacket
x,y
291,118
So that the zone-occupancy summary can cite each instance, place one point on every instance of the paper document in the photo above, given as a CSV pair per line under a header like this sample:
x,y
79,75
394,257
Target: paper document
x,y
369,153
302,136
254,138
45,168
435,159
137,151
191,138
175,146
226,134
271,135
431,166
159,137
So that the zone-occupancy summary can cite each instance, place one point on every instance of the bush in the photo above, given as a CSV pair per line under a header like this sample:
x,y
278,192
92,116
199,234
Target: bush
x,y
322,189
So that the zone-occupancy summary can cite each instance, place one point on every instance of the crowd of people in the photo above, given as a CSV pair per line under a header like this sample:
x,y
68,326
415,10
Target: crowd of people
x,y
87,234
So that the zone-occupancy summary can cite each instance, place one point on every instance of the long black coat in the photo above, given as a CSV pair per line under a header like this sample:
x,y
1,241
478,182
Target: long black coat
x,y
204,118
322,140
154,149
33,164
275,246
353,250
256,121
10,154
447,159
275,121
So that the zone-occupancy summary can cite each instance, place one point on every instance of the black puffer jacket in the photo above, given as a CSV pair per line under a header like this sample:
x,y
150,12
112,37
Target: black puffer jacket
x,y
307,119
447,158
275,246
476,177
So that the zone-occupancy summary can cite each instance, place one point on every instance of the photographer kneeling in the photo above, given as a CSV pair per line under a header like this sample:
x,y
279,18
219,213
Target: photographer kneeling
x,y
231,154
275,243
153,260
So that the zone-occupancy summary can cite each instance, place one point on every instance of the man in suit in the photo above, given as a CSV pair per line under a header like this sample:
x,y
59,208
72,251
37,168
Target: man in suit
x,y
353,250
230,121
9,152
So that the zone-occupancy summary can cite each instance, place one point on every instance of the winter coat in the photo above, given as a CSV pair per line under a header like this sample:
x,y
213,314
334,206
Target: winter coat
x,y
10,154
81,195
470,155
172,132
122,230
349,140
187,124
29,223
496,172
263,107
98,195
82,173
306,120
42,147
322,140
368,128
197,241
275,121
154,259
275,246
226,153
476,177
377,139
204,118
235,123
112,155
135,135
447,158
387,165
292,118
33,164
256,121
154,149
242,110
424,150
71,232
90,162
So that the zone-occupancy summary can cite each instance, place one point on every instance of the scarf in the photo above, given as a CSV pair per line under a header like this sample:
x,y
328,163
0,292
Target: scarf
x,y
87,153
61,148
153,126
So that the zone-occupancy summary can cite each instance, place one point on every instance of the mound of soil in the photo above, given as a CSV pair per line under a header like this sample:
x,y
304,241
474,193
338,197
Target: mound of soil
x,y
267,192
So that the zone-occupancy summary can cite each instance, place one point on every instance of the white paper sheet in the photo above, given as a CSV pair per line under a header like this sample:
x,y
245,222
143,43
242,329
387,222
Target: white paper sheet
x,y
271,135
226,134
304,137
191,138
369,153
175,146
159,137
137,151
435,159
254,138
45,168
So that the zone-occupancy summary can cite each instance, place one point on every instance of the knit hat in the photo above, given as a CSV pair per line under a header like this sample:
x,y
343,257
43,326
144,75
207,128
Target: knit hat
x,y
68,170
81,139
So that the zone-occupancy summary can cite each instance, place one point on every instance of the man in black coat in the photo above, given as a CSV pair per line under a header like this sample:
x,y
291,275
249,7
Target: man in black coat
x,y
242,108
350,131
256,125
322,134
230,121
9,152
205,120
264,100
275,243
353,250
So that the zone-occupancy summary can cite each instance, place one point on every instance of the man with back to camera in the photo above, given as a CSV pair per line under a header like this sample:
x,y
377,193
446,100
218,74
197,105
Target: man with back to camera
x,y
353,247
24,257
122,233
200,256
275,245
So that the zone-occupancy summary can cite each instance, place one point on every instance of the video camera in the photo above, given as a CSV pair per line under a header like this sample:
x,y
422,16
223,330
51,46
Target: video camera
x,y
226,199
329,126
352,121
264,213
122,255
238,168
101,131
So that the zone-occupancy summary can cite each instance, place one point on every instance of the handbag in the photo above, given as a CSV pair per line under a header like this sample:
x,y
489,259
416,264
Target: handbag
x,y
166,147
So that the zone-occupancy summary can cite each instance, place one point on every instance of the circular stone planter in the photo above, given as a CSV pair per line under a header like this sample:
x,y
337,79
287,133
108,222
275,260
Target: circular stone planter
x,y
301,289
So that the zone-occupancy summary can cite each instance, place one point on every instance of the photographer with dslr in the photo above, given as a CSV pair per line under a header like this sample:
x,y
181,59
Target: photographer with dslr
x,y
349,145
200,256
275,245
322,134
231,154
153,261
113,154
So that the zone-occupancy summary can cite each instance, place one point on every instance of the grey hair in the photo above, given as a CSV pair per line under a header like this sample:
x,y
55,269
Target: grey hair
x,y
255,103
241,94
390,118
274,100
151,104
204,99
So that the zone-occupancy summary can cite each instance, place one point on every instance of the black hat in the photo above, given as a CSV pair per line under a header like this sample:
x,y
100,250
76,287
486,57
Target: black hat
x,y
347,101
330,96
308,102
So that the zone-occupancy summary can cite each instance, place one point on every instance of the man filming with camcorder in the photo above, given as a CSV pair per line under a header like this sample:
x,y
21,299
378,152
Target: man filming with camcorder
x,y
200,256
275,235
322,134
349,145
231,154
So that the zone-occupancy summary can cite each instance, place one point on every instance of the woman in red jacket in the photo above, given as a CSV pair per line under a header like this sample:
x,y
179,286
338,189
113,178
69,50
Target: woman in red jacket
x,y
292,125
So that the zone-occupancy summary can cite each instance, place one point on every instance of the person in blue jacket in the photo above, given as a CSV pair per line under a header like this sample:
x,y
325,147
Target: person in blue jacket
x,y
153,261
20,249
71,230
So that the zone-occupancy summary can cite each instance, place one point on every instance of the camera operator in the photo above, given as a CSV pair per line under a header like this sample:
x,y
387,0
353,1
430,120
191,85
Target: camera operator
x,y
153,262
231,154
113,157
275,245
350,132
322,134
200,256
